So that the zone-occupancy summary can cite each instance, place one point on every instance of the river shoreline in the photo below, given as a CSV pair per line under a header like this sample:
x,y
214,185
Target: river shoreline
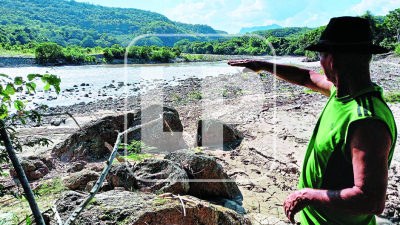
x,y
275,117
16,61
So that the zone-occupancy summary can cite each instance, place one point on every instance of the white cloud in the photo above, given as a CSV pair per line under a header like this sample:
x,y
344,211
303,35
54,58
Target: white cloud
x,y
312,17
377,7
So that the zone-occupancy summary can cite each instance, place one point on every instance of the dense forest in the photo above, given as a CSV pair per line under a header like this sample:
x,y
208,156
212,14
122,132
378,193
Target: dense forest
x,y
69,23
292,41
72,32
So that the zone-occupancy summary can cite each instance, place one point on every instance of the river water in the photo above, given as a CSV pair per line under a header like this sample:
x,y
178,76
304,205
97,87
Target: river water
x,y
98,78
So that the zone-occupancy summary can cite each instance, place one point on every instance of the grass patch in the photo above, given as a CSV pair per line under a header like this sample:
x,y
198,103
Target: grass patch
x,y
47,195
195,95
4,174
245,76
159,201
135,147
309,91
137,157
392,96
176,97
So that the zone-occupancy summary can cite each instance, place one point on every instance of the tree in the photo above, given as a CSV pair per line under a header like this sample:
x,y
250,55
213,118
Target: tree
x,y
7,124
88,42
48,52
392,23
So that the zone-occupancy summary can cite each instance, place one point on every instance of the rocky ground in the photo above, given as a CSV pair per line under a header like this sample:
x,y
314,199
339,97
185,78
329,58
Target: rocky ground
x,y
275,118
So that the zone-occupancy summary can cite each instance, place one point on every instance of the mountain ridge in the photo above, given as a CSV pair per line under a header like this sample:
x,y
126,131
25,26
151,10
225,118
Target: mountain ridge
x,y
70,22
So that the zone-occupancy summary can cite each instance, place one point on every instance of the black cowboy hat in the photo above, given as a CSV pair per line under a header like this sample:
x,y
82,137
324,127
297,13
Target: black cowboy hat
x,y
347,35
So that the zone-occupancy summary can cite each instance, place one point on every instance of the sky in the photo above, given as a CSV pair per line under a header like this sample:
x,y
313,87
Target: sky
x,y
232,15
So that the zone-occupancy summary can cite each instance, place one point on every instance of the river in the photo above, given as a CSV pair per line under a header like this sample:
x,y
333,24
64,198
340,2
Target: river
x,y
98,78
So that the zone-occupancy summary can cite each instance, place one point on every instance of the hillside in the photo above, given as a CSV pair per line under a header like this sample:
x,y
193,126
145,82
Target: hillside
x,y
252,29
283,32
72,23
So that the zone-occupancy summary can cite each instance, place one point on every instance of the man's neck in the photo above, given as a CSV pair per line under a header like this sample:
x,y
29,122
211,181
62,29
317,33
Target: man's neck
x,y
351,82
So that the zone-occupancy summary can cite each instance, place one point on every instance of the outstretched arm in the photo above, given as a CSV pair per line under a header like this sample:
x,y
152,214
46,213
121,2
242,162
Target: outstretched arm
x,y
370,142
292,74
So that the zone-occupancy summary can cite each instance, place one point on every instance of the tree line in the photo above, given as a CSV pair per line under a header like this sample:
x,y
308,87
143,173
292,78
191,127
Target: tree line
x,y
292,41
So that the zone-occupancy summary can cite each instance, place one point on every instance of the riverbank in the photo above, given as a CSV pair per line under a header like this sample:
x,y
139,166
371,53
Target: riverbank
x,y
16,60
276,119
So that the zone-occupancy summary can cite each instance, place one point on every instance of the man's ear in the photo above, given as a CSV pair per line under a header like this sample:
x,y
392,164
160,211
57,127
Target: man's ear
x,y
332,62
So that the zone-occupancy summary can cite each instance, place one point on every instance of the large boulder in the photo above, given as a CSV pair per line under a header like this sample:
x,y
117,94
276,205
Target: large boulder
x,y
212,132
34,168
121,175
201,166
78,181
161,175
136,208
159,135
88,144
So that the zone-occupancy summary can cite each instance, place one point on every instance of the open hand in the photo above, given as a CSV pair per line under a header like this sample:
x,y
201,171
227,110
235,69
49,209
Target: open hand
x,y
295,202
254,65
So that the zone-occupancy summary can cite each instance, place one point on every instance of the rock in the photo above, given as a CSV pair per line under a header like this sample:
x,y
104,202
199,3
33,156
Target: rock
x,y
159,134
78,181
212,132
8,218
120,175
308,60
77,166
56,122
201,166
86,95
161,175
34,169
235,207
137,208
111,86
88,144
83,84
105,186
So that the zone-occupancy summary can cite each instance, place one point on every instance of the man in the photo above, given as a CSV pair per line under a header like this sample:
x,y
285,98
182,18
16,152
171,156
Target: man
x,y
345,171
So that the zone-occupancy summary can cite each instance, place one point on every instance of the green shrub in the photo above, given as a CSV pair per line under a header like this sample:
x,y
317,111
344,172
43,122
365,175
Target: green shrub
x,y
397,50
392,96
195,95
49,52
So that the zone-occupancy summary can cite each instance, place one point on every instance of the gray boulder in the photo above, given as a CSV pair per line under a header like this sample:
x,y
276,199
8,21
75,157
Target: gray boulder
x,y
201,166
88,144
78,181
213,132
136,208
161,175
121,175
34,169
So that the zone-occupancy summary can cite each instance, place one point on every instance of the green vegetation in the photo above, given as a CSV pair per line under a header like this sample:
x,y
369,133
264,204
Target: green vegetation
x,y
397,50
176,97
195,95
70,23
159,201
54,53
309,91
137,157
135,147
392,96
292,41
51,187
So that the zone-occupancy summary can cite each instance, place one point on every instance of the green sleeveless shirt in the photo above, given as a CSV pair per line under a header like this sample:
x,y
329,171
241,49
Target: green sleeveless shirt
x,y
326,164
